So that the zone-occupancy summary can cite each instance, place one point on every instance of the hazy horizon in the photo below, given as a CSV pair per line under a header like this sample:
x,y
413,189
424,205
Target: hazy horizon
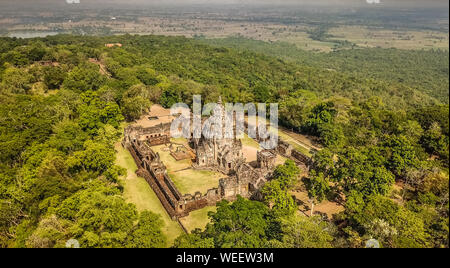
x,y
323,3
21,15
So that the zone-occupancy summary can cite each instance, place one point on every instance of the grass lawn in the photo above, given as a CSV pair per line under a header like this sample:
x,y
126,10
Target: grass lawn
x,y
183,141
197,219
247,141
190,181
138,192
387,38
297,145
186,179
250,148
303,41
280,160
169,161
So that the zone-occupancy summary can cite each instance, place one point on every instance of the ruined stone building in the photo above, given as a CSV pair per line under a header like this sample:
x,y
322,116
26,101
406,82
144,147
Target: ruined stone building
x,y
153,127
221,154
248,180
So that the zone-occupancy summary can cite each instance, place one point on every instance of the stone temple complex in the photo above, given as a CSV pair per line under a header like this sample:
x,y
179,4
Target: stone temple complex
x,y
223,155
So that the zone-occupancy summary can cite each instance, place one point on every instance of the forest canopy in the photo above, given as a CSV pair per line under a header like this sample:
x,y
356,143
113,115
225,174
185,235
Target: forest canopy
x,y
64,99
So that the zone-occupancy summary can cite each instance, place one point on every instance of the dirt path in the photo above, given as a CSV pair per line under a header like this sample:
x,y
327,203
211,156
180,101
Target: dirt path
x,y
306,143
326,207
300,139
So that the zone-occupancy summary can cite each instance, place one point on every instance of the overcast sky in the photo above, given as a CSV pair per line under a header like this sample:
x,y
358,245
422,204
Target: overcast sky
x,y
310,2
323,2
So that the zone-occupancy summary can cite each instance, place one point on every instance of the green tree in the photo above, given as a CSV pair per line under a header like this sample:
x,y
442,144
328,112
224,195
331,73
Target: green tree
x,y
16,80
318,187
278,198
410,227
135,101
83,78
304,232
362,171
147,233
243,223
194,239
100,217
51,232
94,113
287,174
435,142
320,115
147,76
331,135
170,96
68,136
401,154
96,157
54,77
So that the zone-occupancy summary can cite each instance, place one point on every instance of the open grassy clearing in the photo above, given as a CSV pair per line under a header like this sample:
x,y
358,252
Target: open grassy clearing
x,y
186,179
280,160
190,181
250,148
385,38
303,41
247,141
169,161
138,192
197,219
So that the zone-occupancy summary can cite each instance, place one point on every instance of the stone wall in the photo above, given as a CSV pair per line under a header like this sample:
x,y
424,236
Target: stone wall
x,y
150,167
199,201
288,151
300,157
246,181
156,135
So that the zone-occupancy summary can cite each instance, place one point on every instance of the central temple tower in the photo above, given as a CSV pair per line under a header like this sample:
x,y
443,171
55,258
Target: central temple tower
x,y
223,154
